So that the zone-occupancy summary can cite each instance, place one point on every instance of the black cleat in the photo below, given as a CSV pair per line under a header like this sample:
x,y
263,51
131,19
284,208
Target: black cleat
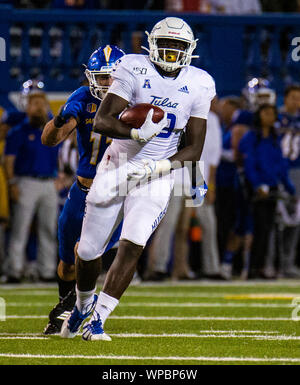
x,y
59,313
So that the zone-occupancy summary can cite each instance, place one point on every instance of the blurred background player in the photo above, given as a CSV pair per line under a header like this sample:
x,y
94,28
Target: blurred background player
x,y
11,117
288,129
265,169
31,169
240,235
78,113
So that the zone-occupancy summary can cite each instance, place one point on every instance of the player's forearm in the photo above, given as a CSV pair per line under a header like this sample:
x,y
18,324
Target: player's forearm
x,y
111,126
9,165
195,137
53,135
188,153
106,121
50,135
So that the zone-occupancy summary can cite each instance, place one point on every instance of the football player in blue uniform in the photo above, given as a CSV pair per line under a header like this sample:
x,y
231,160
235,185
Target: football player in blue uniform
x,y
288,128
78,113
289,125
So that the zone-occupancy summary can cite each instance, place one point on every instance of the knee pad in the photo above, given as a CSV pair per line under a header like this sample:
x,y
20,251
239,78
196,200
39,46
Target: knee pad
x,y
87,252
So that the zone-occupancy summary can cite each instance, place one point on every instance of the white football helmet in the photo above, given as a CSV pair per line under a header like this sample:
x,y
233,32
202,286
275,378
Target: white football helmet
x,y
170,59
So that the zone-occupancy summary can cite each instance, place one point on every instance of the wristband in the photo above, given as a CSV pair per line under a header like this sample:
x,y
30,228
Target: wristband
x,y
59,121
134,134
162,166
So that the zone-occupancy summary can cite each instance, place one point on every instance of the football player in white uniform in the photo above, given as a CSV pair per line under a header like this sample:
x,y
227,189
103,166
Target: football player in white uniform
x,y
163,78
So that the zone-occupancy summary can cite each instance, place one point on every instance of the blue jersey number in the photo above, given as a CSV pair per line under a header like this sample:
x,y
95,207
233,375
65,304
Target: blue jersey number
x,y
96,143
166,132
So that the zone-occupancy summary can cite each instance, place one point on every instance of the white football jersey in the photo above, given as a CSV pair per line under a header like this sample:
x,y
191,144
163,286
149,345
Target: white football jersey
x,y
188,95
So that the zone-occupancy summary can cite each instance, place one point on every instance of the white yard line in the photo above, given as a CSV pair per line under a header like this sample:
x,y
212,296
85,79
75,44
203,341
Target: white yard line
x,y
174,335
152,358
23,338
168,304
169,318
198,333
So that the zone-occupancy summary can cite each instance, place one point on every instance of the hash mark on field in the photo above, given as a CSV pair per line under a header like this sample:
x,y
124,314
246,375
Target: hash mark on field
x,y
154,358
23,338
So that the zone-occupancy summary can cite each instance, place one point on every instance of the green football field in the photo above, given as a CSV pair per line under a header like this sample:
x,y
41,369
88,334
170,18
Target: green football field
x,y
177,324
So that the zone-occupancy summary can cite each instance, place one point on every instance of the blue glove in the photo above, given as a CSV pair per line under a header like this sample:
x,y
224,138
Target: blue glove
x,y
198,194
71,109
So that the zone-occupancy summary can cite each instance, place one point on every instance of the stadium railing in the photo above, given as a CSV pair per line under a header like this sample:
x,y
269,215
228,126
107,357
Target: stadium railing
x,y
54,44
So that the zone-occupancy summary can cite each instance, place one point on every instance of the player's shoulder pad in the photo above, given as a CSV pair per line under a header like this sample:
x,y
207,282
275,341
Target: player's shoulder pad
x,y
79,95
203,78
200,79
133,63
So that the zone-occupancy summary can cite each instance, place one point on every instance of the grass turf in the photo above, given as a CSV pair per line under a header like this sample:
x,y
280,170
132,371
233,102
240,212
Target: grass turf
x,y
203,323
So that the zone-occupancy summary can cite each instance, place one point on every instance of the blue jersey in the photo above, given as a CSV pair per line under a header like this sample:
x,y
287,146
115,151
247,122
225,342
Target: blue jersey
x,y
91,146
244,117
32,157
226,171
13,117
288,128
264,163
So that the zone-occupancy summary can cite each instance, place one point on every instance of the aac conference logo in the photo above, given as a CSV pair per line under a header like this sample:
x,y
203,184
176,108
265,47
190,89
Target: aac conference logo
x,y
2,49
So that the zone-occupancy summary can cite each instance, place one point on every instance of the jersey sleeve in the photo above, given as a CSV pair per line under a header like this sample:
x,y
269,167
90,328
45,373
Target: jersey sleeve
x,y
123,79
79,97
201,105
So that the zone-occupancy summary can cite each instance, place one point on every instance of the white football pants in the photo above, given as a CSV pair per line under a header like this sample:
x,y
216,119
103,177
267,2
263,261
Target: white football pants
x,y
113,199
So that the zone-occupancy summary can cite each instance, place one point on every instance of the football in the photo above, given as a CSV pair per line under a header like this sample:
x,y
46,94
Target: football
x,y
135,116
